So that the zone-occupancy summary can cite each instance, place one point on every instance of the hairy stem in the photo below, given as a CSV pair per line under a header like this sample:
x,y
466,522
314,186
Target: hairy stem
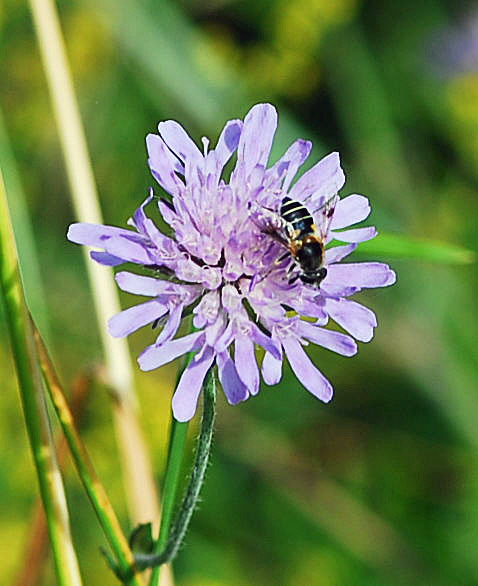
x,y
188,505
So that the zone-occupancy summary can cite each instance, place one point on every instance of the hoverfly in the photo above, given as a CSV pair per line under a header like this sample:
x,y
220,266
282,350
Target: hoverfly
x,y
303,239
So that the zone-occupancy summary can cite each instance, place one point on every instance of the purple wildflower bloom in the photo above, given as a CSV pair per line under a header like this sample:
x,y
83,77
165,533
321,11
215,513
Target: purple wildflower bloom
x,y
225,266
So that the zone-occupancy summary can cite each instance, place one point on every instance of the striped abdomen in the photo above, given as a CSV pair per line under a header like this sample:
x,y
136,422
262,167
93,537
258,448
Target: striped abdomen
x,y
297,215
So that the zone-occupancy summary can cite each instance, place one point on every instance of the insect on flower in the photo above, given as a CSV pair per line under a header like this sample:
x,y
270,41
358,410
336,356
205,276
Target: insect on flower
x,y
303,239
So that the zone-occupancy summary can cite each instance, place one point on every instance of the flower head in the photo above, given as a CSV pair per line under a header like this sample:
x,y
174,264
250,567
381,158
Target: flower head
x,y
226,265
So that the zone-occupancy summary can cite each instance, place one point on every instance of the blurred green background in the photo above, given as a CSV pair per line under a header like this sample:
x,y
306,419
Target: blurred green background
x,y
378,488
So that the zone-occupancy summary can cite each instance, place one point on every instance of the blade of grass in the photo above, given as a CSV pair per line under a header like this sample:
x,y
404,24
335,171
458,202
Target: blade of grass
x,y
22,227
36,547
137,474
93,487
34,404
396,246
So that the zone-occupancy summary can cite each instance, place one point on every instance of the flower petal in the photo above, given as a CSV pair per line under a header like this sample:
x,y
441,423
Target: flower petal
x,y
357,319
324,180
128,321
246,364
285,169
163,165
98,234
180,142
265,341
312,379
172,325
271,369
337,253
227,143
103,258
256,138
335,341
350,210
155,356
234,389
361,274
150,286
128,249
185,399
357,235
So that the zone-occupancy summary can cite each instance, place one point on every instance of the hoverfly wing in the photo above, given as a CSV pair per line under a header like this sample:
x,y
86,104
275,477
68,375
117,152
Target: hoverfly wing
x,y
269,222
323,215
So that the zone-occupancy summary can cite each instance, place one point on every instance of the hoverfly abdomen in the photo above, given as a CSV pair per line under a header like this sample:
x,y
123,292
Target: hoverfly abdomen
x,y
297,216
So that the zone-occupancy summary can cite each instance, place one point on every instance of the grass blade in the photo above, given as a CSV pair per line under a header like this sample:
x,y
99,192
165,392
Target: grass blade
x,y
138,478
94,489
34,404
395,246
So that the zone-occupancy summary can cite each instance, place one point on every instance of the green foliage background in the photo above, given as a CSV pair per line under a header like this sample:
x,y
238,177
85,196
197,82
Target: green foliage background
x,y
378,488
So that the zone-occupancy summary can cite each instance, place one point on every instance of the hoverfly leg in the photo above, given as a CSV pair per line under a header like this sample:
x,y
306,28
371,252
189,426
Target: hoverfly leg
x,y
293,279
281,258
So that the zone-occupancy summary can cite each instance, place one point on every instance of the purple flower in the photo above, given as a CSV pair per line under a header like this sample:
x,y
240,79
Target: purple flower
x,y
221,264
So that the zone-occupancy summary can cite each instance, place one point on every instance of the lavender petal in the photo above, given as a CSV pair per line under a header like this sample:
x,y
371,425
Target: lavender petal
x,y
187,393
256,138
337,253
312,379
323,180
180,142
152,286
350,210
97,234
131,319
357,235
362,274
227,143
155,356
357,319
162,165
103,258
234,389
271,369
246,364
128,249
335,341
172,325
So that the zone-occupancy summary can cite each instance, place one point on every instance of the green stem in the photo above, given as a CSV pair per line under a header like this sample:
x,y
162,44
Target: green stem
x,y
34,405
177,442
94,489
167,551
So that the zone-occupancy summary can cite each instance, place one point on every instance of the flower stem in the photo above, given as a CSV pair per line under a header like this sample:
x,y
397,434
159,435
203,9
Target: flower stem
x,y
34,405
167,549
92,485
177,442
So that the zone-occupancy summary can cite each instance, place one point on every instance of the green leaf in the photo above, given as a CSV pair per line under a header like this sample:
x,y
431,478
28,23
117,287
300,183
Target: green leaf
x,y
393,245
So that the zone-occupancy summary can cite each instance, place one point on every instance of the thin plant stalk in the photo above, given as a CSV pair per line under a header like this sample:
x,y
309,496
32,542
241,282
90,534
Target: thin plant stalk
x,y
94,489
22,226
36,548
137,473
167,551
177,443
34,405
